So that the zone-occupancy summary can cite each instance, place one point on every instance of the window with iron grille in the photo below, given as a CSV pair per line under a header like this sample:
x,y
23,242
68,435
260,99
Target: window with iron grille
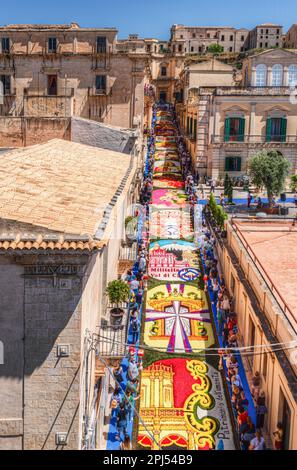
x,y
101,44
5,42
52,45
6,83
100,83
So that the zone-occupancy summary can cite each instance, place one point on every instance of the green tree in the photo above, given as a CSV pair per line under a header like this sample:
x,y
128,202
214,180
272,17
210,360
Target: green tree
x,y
217,212
269,170
215,49
294,183
213,205
228,188
221,217
117,291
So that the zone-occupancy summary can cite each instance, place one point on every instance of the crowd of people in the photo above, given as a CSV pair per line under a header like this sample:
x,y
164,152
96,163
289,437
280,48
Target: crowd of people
x,y
250,431
126,393
126,390
149,90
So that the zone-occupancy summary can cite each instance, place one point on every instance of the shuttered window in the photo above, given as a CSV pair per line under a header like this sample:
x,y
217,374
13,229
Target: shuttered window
x,y
195,129
276,130
234,129
233,164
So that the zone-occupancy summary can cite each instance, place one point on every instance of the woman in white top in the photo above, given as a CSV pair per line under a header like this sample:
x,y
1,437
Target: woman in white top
x,y
258,443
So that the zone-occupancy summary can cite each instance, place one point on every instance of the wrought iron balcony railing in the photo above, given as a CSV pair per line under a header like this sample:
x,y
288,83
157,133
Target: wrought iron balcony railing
x,y
249,90
254,139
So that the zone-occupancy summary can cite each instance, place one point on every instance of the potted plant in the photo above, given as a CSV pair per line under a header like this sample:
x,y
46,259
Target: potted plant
x,y
118,292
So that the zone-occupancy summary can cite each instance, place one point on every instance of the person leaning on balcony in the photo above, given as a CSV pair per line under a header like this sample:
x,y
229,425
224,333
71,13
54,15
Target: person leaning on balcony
x,y
256,384
278,437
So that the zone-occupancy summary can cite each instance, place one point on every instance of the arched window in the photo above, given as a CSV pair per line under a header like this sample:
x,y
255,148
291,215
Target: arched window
x,y
292,81
261,75
277,75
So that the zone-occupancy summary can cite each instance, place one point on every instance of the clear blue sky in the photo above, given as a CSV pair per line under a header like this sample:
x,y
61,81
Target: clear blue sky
x,y
151,18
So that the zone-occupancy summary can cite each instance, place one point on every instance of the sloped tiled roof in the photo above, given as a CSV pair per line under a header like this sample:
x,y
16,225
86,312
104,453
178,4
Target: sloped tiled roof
x,y
58,188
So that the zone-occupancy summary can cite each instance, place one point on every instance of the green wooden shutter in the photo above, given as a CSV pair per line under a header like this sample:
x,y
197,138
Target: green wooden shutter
x,y
238,163
227,130
188,124
283,129
195,129
241,129
227,163
268,129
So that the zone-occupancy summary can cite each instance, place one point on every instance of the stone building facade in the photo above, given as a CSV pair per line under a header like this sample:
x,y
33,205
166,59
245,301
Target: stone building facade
x,y
61,229
265,299
234,122
290,39
196,39
265,36
53,72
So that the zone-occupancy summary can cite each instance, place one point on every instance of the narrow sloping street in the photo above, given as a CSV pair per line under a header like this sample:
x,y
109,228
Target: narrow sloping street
x,y
182,400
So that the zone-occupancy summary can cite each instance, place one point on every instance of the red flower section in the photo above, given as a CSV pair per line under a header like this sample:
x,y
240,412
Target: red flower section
x,y
183,380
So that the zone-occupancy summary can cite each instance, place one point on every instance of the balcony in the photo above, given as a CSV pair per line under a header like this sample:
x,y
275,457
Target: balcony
x,y
113,336
10,105
246,91
61,92
254,139
39,103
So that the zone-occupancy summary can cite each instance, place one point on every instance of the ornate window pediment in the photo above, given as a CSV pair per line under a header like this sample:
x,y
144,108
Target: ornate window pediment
x,y
277,113
235,112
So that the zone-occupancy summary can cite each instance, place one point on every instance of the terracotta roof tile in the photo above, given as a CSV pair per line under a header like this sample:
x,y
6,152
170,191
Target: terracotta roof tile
x,y
61,186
